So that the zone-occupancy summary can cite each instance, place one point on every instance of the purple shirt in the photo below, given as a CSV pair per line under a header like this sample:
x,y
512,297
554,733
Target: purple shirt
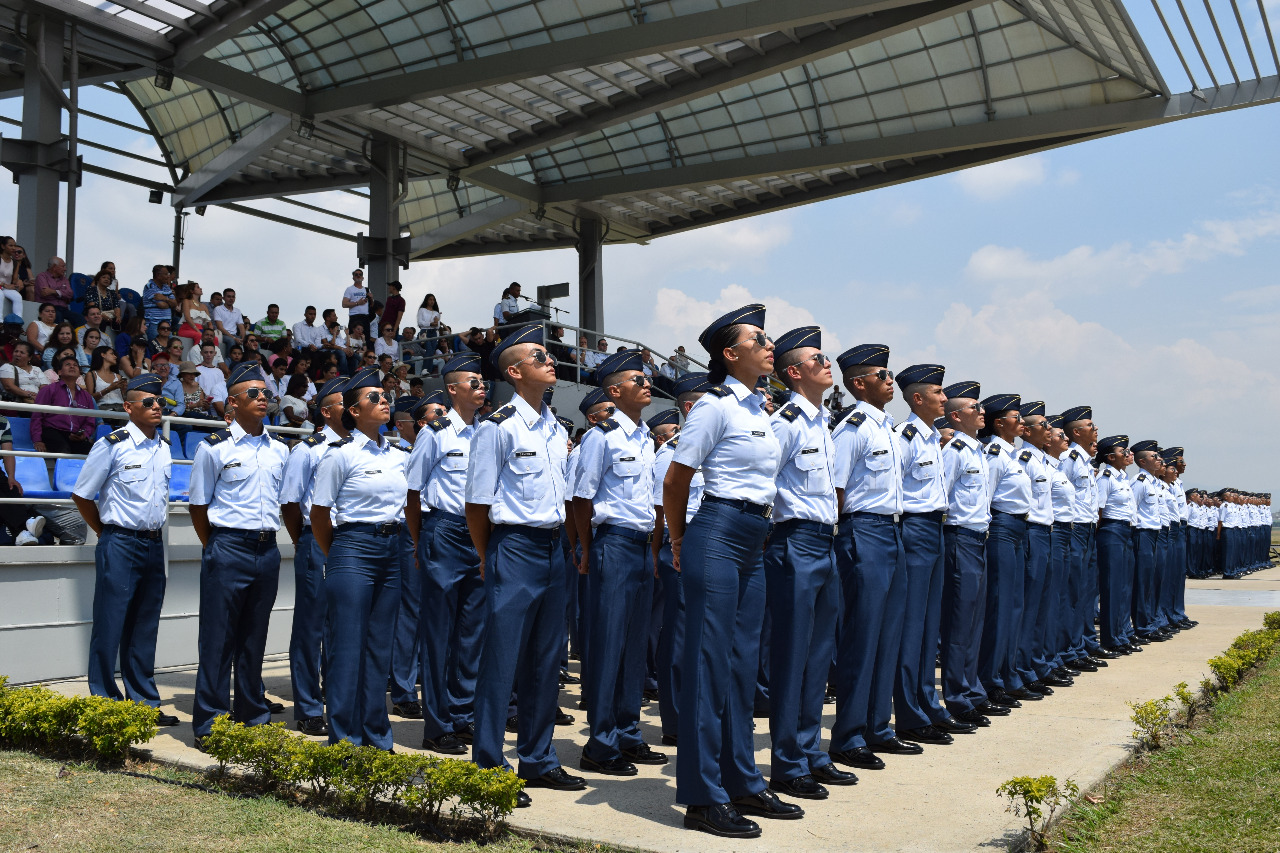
x,y
56,394
62,285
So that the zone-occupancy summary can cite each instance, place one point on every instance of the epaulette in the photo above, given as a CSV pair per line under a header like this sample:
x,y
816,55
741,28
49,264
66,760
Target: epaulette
x,y
1075,455
313,440
857,418
1024,457
789,412
216,436
719,391
437,424
993,450
118,436
674,441
607,425
398,446
340,442
1106,473
500,415
909,432
1142,478
280,438
165,440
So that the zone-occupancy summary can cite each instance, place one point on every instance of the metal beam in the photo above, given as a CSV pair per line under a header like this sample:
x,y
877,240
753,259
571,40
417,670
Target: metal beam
x,y
265,136
245,87
292,186
462,228
136,37
94,75
237,20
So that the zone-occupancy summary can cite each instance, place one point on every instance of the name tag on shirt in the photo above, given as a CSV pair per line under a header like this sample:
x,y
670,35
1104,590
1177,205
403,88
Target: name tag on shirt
x,y
757,433
925,464
231,465
972,471
808,450
627,459
131,467
372,472
455,453
523,453
879,452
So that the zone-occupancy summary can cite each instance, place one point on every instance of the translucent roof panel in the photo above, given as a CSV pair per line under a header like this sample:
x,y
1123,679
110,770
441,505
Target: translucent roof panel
x,y
194,124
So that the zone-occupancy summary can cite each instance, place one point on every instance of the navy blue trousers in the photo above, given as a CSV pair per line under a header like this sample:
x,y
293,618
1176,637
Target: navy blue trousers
x,y
1058,625
239,576
657,606
1178,571
1079,563
1006,565
964,602
362,585
1146,616
1164,571
873,579
670,643
916,702
128,592
524,582
404,649
310,619
452,623
620,583
1031,657
722,572
803,589
1115,588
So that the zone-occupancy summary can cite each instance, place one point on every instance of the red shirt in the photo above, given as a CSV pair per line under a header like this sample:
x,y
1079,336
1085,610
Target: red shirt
x,y
393,310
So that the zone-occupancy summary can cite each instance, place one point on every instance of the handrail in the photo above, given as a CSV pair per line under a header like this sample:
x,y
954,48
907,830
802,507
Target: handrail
x,y
105,414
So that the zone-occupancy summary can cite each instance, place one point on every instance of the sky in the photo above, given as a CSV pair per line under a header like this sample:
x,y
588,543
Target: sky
x,y
1137,274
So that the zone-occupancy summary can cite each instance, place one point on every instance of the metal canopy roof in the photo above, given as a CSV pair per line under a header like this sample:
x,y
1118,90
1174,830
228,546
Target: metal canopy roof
x,y
518,117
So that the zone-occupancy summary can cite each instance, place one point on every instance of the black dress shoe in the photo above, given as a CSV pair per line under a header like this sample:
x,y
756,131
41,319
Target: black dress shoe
x,y
410,710
609,767
563,719
165,721
1099,662
1067,671
644,754
896,746
275,707
1041,688
1139,640
513,724
199,744
522,800
466,734
1083,665
860,757
1188,624
925,734
447,744
1055,680
670,740
312,726
955,726
721,819
567,677
557,780
1003,699
651,693
1104,654
974,718
832,775
767,804
805,787
1024,694
991,709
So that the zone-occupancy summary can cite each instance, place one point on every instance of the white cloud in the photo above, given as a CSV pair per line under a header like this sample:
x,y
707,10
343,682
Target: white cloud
x,y
1002,179
1255,296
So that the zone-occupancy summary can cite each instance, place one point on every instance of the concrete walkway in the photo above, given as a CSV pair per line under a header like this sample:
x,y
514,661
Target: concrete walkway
x,y
943,800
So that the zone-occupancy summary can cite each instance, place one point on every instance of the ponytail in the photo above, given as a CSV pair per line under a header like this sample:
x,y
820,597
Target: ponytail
x,y
717,368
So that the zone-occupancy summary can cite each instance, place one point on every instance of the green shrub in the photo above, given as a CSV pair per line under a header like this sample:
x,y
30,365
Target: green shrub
x,y
1271,621
1152,720
1190,702
39,718
1037,798
488,795
112,727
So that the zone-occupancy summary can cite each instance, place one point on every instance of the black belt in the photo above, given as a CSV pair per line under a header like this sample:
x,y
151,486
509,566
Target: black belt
x,y
1110,521
1019,515
448,516
153,535
625,532
546,533
251,535
741,506
973,534
1064,525
935,515
871,516
1183,523
384,528
783,527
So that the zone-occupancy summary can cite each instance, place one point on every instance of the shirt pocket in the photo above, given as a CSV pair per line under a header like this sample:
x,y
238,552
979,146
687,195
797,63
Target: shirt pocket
x,y
923,470
234,475
530,474
879,461
627,472
814,478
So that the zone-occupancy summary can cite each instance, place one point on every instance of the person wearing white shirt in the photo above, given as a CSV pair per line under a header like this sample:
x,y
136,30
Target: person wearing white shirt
x,y
1077,423
308,336
229,320
356,300
1115,545
212,380
508,306
387,344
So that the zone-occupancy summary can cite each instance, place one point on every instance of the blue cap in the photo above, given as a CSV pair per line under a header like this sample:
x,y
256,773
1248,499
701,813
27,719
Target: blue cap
x,y
967,390
942,423
594,396
568,425
1054,421
1001,402
467,362
628,359
928,373
333,386
1036,407
805,336
870,355
529,334
693,383
245,371
147,382
748,315
407,403
1077,413
1175,451
840,416
1140,446
1169,454
13,318
1111,442
669,416
366,377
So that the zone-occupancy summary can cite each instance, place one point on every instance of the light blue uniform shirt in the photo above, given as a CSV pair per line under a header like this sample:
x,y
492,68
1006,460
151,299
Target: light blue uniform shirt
x,y
697,484
1171,508
1036,464
1180,497
517,466
1148,502
1116,494
868,462
1010,485
128,475
238,476
729,438
362,481
964,478
1061,493
438,464
805,489
173,391
615,472
300,470
921,449
1079,473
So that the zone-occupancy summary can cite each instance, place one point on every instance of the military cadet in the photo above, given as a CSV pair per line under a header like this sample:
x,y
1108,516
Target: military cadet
x,y
515,506
1195,533
1115,545
453,603
1228,526
869,555
1166,548
1058,625
1178,571
357,512
615,525
235,509
1082,582
964,537
310,606
1148,519
689,388
1006,553
127,474
802,584
662,426
945,430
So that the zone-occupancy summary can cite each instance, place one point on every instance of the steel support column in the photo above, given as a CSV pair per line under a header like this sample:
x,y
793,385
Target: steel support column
x,y
591,275
41,124
384,215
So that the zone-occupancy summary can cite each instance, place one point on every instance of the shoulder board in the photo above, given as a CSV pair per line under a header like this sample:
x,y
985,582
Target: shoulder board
x,y
340,442
909,432
674,441
398,446
313,440
1142,478
280,438
437,424
993,450
719,391
607,425
1075,454
1106,473
789,412
857,418
216,436
1024,457
117,436
501,414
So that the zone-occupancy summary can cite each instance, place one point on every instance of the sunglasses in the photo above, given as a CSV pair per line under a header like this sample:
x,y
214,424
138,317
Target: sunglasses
x,y
641,381
881,374
541,356
254,393
817,358
976,407
147,402
760,338
376,397
472,383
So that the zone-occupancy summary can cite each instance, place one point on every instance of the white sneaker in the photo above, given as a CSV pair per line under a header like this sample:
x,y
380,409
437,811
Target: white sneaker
x,y
25,538
35,525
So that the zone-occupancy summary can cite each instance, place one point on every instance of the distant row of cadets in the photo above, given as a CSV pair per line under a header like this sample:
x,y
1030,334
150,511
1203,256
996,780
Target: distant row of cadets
x,y
740,565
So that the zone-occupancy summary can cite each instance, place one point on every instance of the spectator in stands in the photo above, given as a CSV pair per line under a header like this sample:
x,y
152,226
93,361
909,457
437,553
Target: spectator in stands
x,y
84,352
387,344
328,374
356,300
401,371
229,320
391,385
171,397
51,373
158,302
164,336
429,316
592,359
307,336
272,328
95,319
21,379
22,271
63,433
134,328
335,343
197,316
357,341
54,287
416,388
293,408
10,333
394,310
482,343
646,360
23,526
680,361
835,400
39,330
209,336
136,360
176,347
196,403
301,365
385,365
62,336
253,346
277,381
105,294
235,355
369,359
211,378
10,287
103,380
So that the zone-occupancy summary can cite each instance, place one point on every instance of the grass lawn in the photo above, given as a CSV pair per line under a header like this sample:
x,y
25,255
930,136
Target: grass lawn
x,y
88,810
1218,790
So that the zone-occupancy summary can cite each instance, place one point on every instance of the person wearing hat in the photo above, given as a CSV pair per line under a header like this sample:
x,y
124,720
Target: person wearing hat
x,y
1082,580
1061,613
964,543
1148,496
945,430
869,554
310,606
720,554
1006,553
453,599
1115,546
357,513
615,526
801,582
688,389
515,506
662,426
123,494
235,509
1166,546
1179,532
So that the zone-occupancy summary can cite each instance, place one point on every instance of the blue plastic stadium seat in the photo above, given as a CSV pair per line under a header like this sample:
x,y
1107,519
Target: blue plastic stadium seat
x,y
65,473
131,296
79,285
192,442
20,432
104,429
31,472
175,446
180,483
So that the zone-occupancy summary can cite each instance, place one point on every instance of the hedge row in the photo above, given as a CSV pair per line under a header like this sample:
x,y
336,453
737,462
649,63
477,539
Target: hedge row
x,y
1246,651
39,718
